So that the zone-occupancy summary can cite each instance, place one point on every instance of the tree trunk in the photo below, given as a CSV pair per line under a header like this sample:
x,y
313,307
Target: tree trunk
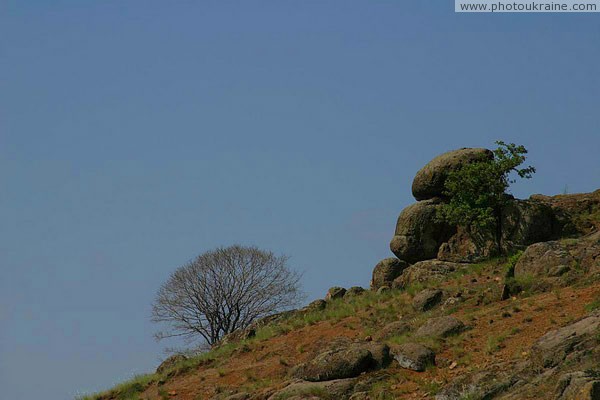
x,y
498,233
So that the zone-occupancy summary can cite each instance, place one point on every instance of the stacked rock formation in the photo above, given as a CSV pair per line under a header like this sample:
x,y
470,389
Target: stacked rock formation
x,y
420,235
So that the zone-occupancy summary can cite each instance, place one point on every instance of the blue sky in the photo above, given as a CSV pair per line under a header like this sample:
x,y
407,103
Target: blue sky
x,y
135,135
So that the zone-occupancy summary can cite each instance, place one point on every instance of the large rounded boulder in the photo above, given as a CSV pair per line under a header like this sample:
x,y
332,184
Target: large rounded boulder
x,y
429,181
386,271
343,359
419,232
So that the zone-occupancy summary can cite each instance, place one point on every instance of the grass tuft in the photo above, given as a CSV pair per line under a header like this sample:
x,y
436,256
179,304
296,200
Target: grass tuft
x,y
129,390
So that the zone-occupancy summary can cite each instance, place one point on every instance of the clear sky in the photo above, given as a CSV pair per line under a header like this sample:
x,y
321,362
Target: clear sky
x,y
135,135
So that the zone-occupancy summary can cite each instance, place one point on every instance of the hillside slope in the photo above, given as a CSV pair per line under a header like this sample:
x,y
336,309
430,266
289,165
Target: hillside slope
x,y
519,327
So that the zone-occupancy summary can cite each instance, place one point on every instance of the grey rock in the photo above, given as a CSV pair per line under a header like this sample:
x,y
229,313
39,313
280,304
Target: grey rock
x,y
380,353
484,385
427,271
540,258
440,327
523,222
451,302
419,232
552,348
353,292
396,328
386,271
383,289
338,388
578,386
558,270
360,396
574,213
238,396
468,245
427,299
170,362
342,360
413,356
335,292
316,305
555,258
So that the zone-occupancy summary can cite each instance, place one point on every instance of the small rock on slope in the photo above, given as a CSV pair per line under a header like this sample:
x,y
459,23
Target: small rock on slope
x,y
413,356
427,299
440,327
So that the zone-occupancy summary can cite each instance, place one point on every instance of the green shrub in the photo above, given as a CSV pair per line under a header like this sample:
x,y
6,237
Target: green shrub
x,y
477,191
512,261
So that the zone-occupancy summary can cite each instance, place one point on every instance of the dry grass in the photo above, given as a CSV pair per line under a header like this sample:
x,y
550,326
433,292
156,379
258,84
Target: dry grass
x,y
498,331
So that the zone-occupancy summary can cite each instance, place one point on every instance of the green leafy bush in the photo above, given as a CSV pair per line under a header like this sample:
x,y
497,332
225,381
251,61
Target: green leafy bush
x,y
512,261
477,192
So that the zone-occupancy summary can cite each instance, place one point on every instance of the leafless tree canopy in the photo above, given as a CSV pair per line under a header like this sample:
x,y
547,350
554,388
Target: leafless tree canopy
x,y
223,290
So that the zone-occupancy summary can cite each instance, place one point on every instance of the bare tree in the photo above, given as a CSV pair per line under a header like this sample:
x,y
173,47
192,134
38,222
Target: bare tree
x,y
223,290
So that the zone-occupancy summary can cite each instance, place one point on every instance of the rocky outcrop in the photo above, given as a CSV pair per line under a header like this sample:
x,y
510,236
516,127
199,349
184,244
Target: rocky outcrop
x,y
419,232
468,245
426,271
413,356
440,327
489,384
421,235
353,292
316,305
170,362
578,386
335,292
555,346
429,180
540,258
523,222
386,271
556,258
576,214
